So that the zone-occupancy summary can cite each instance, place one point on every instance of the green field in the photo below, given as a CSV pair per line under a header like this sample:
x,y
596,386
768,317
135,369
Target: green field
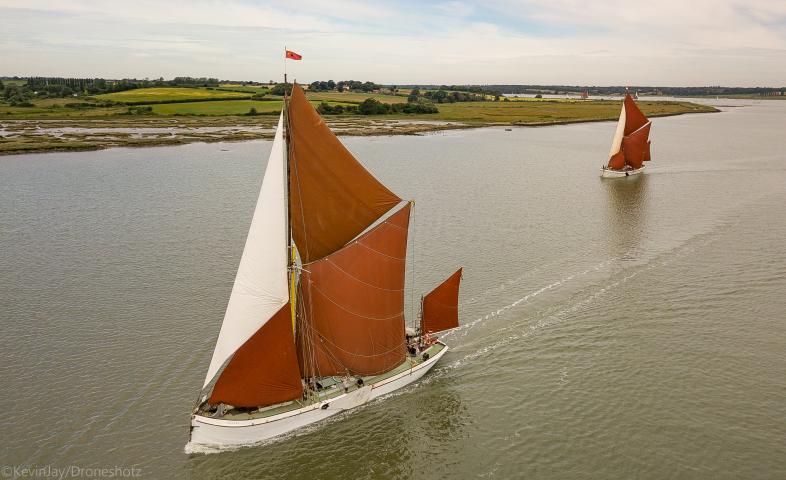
x,y
187,102
164,94
224,107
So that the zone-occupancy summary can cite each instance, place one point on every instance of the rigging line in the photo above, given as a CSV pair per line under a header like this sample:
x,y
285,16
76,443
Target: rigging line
x,y
394,348
329,353
386,222
383,222
380,253
358,238
631,133
401,313
328,260
313,344
299,193
412,278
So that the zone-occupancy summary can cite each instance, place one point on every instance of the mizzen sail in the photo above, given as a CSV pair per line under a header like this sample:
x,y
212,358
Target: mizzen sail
x,y
440,306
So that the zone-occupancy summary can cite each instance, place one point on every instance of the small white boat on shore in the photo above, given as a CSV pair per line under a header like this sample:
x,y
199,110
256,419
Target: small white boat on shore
x,y
630,147
315,321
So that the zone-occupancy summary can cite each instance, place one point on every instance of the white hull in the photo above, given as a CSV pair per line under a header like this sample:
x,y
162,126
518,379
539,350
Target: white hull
x,y
608,173
218,432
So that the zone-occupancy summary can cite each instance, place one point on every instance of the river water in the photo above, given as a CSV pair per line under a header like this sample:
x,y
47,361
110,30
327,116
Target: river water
x,y
631,328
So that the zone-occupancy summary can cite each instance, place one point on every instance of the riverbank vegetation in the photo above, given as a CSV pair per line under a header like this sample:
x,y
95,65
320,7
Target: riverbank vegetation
x,y
235,111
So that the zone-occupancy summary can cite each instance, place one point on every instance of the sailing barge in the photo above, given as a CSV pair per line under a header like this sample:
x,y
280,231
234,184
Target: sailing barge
x,y
630,147
315,320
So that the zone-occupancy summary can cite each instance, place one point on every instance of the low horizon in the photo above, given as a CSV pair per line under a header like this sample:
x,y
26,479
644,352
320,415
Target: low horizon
x,y
402,85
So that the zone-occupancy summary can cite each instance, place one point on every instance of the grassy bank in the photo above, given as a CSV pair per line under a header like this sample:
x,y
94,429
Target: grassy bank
x,y
172,115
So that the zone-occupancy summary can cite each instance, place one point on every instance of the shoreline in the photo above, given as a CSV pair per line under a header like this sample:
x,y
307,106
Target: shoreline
x,y
45,135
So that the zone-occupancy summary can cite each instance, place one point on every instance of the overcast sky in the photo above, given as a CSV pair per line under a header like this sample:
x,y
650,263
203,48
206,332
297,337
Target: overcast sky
x,y
654,42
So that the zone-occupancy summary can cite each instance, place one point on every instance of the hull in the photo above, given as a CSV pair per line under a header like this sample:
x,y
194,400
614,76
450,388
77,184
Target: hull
x,y
221,432
608,173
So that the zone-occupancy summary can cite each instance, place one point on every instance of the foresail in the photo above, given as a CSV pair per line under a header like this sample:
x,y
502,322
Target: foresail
x,y
333,198
616,142
440,306
263,371
260,288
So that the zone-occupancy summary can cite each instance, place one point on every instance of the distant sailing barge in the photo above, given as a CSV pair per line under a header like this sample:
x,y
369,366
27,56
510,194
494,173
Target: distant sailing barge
x,y
630,147
315,320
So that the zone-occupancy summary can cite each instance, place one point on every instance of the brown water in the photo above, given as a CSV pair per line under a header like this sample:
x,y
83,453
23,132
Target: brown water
x,y
629,328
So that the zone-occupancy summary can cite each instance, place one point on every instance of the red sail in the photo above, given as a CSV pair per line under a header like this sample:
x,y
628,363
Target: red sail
x,y
332,197
351,317
647,156
635,146
264,370
617,161
634,119
440,306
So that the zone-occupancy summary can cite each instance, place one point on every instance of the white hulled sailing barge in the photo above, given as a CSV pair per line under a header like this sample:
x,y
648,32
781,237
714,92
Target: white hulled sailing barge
x,y
315,321
630,147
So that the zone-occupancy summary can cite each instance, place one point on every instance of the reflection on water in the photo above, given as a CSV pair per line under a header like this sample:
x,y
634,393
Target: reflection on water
x,y
626,213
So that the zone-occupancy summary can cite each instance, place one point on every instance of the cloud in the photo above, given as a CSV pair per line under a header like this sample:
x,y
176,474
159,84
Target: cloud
x,y
495,41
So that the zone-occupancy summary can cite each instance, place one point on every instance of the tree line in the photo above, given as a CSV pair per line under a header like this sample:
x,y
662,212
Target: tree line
x,y
617,89
16,94
343,85
371,106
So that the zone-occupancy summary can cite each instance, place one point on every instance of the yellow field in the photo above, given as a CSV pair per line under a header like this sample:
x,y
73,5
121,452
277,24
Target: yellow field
x,y
164,94
224,107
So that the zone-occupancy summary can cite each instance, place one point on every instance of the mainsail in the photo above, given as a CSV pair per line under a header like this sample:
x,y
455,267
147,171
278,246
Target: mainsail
x,y
631,145
261,354
353,304
440,306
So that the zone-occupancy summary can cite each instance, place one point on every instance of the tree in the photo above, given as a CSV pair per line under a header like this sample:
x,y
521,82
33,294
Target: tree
x,y
280,88
413,95
370,106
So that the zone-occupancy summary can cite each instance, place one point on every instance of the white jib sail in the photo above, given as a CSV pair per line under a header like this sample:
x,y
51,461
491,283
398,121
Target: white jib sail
x,y
260,288
616,143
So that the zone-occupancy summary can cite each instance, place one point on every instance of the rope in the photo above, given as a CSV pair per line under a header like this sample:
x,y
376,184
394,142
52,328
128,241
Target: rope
x,y
396,347
380,253
401,313
412,282
361,281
